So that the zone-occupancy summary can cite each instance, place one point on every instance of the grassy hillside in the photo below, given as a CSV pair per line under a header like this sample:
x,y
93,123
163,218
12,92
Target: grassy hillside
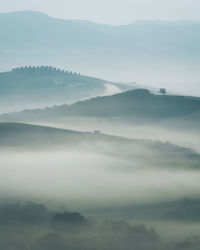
x,y
157,154
42,86
137,105
29,78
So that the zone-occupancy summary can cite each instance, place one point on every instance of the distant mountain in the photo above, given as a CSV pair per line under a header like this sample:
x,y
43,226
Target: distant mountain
x,y
33,87
33,30
19,136
138,106
148,51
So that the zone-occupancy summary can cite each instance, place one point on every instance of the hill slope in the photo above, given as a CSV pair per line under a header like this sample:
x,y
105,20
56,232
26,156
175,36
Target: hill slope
x,y
18,136
138,105
33,87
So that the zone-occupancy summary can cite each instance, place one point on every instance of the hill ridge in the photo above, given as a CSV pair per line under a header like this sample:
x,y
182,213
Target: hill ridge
x,y
138,104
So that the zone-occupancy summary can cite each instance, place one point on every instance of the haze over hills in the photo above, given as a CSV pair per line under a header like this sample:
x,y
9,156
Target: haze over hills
x,y
123,152
185,209
161,53
39,31
138,106
34,87
19,136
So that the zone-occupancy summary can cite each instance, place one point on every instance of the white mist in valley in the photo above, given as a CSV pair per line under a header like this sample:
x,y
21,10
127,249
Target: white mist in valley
x,y
186,136
75,177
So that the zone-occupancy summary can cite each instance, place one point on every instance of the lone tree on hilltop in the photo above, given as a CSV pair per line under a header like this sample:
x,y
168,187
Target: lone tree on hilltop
x,y
163,91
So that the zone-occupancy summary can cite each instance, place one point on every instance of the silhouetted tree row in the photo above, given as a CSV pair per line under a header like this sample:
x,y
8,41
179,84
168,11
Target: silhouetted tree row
x,y
43,69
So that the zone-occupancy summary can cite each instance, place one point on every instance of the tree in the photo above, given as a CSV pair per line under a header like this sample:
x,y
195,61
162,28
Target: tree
x,y
163,91
70,218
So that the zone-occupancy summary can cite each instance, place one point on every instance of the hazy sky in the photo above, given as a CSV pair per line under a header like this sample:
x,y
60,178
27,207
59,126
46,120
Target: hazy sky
x,y
109,11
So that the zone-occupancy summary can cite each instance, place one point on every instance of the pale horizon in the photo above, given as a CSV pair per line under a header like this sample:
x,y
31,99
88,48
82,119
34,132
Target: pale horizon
x,y
88,20
125,12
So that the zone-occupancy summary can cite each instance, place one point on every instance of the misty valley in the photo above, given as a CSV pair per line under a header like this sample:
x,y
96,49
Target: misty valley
x,y
101,173
90,163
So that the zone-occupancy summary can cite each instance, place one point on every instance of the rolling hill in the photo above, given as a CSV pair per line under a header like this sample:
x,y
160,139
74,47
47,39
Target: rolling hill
x,y
34,87
140,153
134,106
